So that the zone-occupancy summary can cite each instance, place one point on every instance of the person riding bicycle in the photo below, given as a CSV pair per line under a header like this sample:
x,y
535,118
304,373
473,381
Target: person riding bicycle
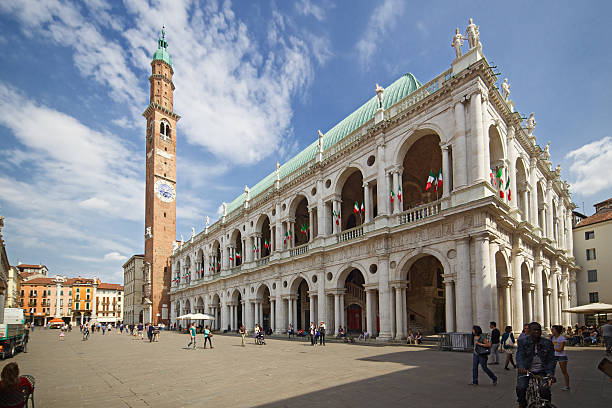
x,y
535,354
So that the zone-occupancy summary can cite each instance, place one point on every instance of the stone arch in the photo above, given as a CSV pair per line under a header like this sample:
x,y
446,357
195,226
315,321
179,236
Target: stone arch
x,y
541,200
215,261
186,274
349,187
425,294
177,274
298,211
522,187
343,272
497,149
408,140
297,280
186,306
422,156
199,305
411,257
238,252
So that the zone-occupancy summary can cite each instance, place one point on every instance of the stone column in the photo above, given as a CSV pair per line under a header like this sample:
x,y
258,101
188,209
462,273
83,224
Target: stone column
x,y
261,315
383,188
272,313
483,280
549,212
400,312
343,323
530,290
321,298
396,206
573,295
512,168
282,312
369,322
310,225
546,321
539,292
248,314
517,290
312,307
554,315
337,313
449,304
366,202
477,142
508,304
335,209
445,172
460,174
290,313
463,286
533,184
384,304
294,301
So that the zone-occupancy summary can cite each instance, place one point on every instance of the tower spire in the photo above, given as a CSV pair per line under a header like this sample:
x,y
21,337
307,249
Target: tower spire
x,y
162,48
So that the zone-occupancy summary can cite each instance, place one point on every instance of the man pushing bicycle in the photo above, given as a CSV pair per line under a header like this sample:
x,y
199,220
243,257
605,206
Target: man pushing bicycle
x,y
535,356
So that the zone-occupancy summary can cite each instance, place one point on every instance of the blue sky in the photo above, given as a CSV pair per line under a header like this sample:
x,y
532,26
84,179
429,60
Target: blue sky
x,y
254,81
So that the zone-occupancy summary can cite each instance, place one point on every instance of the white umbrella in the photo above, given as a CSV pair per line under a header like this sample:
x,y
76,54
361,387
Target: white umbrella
x,y
187,316
201,316
591,308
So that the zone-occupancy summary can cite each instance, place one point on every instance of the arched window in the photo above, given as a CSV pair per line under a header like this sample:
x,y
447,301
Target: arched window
x,y
164,129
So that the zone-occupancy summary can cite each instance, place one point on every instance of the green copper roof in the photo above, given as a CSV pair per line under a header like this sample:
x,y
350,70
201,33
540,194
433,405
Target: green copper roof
x,y
162,49
394,93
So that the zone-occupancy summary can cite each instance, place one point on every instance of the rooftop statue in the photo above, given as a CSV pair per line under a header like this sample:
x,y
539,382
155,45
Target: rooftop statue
x,y
320,142
224,207
379,94
247,192
277,170
530,124
182,240
457,42
192,232
174,246
207,221
473,34
546,153
506,89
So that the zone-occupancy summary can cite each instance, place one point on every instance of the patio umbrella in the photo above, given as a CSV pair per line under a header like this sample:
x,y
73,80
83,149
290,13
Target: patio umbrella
x,y
202,316
591,308
56,320
187,316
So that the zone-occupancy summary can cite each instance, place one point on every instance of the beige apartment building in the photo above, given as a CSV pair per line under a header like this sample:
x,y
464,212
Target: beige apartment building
x,y
592,250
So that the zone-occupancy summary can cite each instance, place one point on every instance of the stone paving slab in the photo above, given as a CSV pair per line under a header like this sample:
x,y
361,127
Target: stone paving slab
x,y
118,371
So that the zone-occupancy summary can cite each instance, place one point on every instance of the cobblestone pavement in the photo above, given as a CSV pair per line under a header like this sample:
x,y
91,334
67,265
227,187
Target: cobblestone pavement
x,y
118,371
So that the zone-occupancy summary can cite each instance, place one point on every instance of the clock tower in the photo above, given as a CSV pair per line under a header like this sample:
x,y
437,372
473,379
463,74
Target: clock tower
x,y
160,190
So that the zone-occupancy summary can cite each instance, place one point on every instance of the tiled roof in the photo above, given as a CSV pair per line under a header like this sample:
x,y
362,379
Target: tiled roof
x,y
111,286
394,93
23,266
596,218
39,281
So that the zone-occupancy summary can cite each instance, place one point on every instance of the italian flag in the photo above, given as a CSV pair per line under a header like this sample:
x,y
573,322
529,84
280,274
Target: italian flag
x,y
238,256
337,216
392,195
500,177
266,244
508,190
255,248
440,179
493,182
399,193
231,258
356,207
362,207
430,180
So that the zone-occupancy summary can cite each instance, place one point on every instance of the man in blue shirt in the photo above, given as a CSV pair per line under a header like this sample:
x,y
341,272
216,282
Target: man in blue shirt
x,y
535,354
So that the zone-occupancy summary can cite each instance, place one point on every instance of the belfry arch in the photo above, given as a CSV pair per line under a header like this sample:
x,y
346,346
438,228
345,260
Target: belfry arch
x,y
350,188
423,158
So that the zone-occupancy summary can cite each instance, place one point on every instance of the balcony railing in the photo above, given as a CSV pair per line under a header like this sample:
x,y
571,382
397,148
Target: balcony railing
x,y
419,213
350,234
263,261
302,249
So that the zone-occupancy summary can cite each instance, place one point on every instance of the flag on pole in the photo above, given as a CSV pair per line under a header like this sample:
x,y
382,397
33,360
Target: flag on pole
x,y
508,190
356,208
362,207
392,195
499,177
399,193
238,256
430,180
440,179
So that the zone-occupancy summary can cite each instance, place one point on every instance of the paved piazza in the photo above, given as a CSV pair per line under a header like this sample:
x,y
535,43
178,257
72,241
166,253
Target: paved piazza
x,y
117,371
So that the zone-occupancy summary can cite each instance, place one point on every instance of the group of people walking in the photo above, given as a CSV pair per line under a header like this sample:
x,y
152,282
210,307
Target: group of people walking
x,y
208,335
535,355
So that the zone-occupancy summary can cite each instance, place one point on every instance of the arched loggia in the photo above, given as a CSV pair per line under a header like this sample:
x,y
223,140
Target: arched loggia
x,y
422,162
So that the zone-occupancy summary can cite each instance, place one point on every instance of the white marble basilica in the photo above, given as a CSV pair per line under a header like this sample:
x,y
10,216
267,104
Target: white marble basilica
x,y
348,232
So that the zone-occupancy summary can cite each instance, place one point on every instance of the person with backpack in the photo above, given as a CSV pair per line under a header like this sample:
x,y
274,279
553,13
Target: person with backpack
x,y
322,334
508,345
482,349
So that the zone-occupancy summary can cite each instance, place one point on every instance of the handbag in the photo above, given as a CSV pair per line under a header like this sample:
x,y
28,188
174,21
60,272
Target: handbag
x,y
482,351
508,343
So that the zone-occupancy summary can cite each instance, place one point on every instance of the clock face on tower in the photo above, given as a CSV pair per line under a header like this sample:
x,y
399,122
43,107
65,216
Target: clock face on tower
x,y
165,191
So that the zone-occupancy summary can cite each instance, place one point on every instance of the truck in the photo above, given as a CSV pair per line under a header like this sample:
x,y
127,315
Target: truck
x,y
12,332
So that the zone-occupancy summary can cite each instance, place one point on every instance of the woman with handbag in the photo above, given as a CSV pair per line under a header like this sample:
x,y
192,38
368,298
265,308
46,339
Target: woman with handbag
x,y
508,345
482,349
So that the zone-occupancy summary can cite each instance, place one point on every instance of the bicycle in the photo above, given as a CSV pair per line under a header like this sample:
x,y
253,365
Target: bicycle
x,y
534,400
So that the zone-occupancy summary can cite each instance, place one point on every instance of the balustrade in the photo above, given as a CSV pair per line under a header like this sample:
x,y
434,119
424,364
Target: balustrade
x,y
419,213
302,249
350,234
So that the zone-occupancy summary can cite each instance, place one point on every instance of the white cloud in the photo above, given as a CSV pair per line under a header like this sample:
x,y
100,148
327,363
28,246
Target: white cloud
x,y
115,256
308,8
590,167
383,19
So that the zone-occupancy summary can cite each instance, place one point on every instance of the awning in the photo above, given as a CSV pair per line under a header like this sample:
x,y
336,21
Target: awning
x,y
591,308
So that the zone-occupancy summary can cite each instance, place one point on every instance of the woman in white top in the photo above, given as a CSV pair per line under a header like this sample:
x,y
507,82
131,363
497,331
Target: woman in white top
x,y
560,355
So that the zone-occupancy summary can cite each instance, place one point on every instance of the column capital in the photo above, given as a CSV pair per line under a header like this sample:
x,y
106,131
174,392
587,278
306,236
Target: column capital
x,y
335,291
370,287
312,293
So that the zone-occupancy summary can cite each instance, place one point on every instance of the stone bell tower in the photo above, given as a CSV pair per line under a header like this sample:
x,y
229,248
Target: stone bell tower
x,y
160,190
